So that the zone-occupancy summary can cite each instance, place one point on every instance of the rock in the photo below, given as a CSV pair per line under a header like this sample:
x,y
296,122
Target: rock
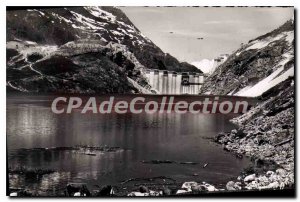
x,y
13,194
281,172
144,189
77,194
268,153
198,188
135,193
149,193
74,188
273,185
209,187
282,185
154,193
188,185
181,191
166,191
230,186
252,185
249,178
238,186
106,191
270,173
263,180
219,137
274,178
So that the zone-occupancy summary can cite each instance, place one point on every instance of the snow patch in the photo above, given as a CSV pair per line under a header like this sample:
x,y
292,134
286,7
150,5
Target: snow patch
x,y
116,33
87,23
270,81
259,44
61,18
97,12
205,65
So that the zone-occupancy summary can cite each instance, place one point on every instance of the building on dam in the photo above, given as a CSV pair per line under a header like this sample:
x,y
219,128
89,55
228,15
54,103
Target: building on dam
x,y
170,82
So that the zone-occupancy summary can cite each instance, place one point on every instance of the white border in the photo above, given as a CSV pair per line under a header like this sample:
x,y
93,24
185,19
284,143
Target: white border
x,y
5,3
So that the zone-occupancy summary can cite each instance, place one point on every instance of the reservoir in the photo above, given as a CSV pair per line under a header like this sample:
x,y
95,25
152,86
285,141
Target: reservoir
x,y
141,139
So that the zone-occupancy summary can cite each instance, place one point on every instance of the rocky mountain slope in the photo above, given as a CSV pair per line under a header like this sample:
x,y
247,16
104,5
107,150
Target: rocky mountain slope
x,y
263,68
266,134
80,50
257,66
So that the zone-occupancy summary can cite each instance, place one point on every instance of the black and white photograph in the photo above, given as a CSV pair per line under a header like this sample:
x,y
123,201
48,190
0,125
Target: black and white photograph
x,y
150,101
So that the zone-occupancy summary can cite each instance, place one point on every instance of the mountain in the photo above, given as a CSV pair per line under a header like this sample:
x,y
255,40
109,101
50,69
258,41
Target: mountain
x,y
263,68
257,66
205,65
209,66
80,50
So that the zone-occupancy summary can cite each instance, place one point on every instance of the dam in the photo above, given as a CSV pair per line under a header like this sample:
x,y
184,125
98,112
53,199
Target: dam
x,y
171,82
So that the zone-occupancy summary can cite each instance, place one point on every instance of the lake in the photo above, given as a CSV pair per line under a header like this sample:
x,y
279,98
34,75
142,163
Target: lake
x,y
142,138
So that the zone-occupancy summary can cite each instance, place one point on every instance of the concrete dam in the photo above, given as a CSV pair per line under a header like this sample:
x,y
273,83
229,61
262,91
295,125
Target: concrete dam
x,y
170,82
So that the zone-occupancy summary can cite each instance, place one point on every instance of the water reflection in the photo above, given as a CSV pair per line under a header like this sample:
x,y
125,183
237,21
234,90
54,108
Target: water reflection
x,y
176,137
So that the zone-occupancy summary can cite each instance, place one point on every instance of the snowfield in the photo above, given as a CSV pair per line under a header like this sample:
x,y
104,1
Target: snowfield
x,y
259,44
205,65
272,80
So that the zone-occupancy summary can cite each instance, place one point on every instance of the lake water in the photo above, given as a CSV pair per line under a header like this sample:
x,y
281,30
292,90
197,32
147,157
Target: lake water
x,y
141,137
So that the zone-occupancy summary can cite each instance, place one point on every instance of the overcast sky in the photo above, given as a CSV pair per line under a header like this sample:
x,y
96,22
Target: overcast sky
x,y
223,29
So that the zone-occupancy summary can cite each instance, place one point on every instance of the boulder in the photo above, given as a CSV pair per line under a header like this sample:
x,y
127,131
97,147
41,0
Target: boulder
x,y
154,193
230,186
182,191
273,185
77,194
188,185
198,188
281,172
238,186
270,173
252,185
106,191
209,187
249,178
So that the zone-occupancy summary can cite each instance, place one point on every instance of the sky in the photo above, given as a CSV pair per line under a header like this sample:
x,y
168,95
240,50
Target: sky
x,y
223,29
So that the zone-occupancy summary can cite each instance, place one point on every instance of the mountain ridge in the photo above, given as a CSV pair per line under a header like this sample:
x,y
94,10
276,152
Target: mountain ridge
x,y
38,35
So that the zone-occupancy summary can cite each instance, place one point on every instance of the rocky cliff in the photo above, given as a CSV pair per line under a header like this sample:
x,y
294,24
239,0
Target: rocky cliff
x,y
80,50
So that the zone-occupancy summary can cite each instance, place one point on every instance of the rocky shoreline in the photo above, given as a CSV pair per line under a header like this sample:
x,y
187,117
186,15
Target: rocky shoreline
x,y
266,134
